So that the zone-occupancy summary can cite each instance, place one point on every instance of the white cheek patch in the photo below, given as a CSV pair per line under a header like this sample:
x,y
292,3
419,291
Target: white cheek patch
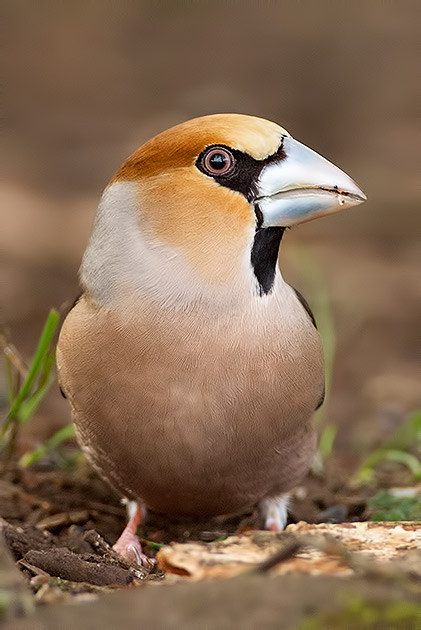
x,y
118,258
120,261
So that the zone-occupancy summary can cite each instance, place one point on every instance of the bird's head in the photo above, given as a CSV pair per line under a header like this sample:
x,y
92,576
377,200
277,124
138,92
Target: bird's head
x,y
206,203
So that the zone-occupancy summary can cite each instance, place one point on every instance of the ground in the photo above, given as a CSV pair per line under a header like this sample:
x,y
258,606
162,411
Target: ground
x,y
58,527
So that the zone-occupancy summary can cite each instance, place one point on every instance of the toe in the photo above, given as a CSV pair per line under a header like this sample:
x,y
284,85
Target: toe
x,y
129,548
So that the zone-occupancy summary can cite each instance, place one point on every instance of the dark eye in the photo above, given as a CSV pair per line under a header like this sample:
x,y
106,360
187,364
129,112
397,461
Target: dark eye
x,y
218,161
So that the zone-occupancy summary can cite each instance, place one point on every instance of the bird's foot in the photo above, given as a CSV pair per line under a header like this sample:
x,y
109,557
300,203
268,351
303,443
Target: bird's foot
x,y
275,512
128,545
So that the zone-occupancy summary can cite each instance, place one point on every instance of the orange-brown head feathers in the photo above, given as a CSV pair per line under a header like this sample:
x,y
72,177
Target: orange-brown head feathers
x,y
180,146
184,207
202,207
185,210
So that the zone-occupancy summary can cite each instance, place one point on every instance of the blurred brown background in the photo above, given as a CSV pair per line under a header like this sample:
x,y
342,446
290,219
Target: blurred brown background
x,y
89,82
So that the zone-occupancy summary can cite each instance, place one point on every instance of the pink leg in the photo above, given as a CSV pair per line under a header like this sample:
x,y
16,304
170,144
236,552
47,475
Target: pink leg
x,y
128,545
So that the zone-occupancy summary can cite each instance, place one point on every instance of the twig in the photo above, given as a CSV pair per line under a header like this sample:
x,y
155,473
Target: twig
x,y
15,358
63,518
326,544
285,553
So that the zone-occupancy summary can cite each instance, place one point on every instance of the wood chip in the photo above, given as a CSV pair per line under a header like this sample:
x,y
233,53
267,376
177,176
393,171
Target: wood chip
x,y
328,549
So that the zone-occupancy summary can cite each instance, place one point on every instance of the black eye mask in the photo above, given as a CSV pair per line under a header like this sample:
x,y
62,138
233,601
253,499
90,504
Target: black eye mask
x,y
244,174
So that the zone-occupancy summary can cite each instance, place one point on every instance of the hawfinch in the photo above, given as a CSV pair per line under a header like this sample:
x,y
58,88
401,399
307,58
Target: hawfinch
x,y
192,368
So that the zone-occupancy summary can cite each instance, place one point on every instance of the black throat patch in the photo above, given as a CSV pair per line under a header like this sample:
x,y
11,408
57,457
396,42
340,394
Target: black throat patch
x,y
264,256
244,179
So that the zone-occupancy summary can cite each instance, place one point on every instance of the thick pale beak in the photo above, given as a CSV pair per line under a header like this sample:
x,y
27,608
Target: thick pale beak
x,y
303,186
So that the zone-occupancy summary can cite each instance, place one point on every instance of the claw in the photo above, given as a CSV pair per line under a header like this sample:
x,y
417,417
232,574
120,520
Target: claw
x,y
129,548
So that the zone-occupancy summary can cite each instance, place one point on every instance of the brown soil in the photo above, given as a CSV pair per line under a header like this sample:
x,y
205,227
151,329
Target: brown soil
x,y
59,527
62,524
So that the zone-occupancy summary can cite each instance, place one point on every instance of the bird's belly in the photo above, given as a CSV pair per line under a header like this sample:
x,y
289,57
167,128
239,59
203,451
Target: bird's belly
x,y
196,432
192,461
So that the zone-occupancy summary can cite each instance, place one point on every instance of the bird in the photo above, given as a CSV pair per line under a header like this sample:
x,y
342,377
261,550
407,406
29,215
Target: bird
x,y
192,368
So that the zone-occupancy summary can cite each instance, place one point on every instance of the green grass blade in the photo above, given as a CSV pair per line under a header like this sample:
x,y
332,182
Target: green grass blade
x,y
407,459
46,366
28,407
36,365
409,434
396,449
63,434
152,544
